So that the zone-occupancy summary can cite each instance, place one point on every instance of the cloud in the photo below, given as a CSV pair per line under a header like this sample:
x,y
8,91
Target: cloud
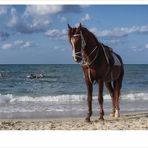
x,y
44,13
17,44
120,31
42,10
56,33
3,35
25,25
23,44
37,18
72,9
146,46
139,48
6,46
59,48
14,18
3,9
143,29
27,44
86,18
63,19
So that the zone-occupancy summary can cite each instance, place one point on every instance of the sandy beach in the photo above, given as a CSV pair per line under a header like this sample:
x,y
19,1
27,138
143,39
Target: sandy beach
x,y
131,121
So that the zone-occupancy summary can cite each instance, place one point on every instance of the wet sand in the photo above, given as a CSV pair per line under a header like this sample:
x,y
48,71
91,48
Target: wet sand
x,y
130,121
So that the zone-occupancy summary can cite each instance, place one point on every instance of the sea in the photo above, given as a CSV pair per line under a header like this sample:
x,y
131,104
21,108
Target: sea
x,y
61,91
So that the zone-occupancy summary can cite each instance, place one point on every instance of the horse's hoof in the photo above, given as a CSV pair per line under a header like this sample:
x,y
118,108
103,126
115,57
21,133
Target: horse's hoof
x,y
117,114
112,114
101,119
87,120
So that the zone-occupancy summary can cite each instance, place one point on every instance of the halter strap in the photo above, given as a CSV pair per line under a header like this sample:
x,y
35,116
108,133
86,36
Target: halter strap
x,y
75,35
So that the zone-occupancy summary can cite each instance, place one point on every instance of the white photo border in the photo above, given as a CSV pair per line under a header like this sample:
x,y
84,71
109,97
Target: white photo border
x,y
74,139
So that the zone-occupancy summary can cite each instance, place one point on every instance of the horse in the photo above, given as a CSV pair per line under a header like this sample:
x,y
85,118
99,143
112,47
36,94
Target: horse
x,y
100,64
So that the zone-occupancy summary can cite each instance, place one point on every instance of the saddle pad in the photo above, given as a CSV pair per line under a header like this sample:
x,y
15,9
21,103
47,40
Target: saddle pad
x,y
116,60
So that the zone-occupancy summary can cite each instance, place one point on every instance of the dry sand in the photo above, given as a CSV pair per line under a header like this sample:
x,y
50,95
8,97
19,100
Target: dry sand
x,y
131,121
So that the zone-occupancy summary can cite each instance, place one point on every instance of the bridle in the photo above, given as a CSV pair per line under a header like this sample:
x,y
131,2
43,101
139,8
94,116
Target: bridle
x,y
85,60
83,44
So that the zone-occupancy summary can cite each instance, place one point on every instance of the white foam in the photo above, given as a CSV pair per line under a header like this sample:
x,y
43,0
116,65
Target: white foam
x,y
5,98
58,98
135,96
9,98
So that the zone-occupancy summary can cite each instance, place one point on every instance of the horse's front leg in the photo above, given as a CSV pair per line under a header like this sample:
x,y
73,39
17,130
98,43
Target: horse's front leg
x,y
89,85
100,99
89,100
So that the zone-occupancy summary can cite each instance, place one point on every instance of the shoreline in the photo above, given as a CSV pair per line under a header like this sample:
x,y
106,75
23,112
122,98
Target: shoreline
x,y
128,121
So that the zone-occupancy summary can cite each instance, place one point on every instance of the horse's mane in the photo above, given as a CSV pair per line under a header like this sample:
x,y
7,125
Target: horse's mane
x,y
73,30
95,38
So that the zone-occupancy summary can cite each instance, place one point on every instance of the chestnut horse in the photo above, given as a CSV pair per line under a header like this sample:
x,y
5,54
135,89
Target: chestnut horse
x,y
100,64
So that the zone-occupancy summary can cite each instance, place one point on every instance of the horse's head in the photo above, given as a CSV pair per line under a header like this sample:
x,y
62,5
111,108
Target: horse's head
x,y
75,38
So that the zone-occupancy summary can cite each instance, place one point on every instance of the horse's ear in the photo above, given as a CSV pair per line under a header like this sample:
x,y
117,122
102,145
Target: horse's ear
x,y
80,26
69,27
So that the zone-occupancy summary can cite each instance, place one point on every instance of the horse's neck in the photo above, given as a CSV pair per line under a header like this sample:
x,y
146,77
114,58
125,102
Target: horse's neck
x,y
93,47
91,43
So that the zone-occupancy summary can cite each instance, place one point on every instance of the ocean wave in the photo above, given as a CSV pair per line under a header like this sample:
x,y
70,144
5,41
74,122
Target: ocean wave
x,y
5,98
135,96
9,98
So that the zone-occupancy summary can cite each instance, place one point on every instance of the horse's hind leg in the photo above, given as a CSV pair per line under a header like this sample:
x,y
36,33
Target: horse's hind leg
x,y
111,92
117,87
116,97
100,99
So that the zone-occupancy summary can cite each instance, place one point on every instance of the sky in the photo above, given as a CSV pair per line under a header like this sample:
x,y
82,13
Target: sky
x,y
37,34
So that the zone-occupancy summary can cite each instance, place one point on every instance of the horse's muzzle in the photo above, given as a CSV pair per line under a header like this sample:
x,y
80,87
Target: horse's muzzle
x,y
77,59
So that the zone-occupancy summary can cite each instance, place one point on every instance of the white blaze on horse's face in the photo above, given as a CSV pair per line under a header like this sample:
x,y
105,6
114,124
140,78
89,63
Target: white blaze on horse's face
x,y
76,47
73,50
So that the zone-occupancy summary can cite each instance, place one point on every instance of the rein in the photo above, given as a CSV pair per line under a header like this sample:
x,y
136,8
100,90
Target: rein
x,y
91,62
